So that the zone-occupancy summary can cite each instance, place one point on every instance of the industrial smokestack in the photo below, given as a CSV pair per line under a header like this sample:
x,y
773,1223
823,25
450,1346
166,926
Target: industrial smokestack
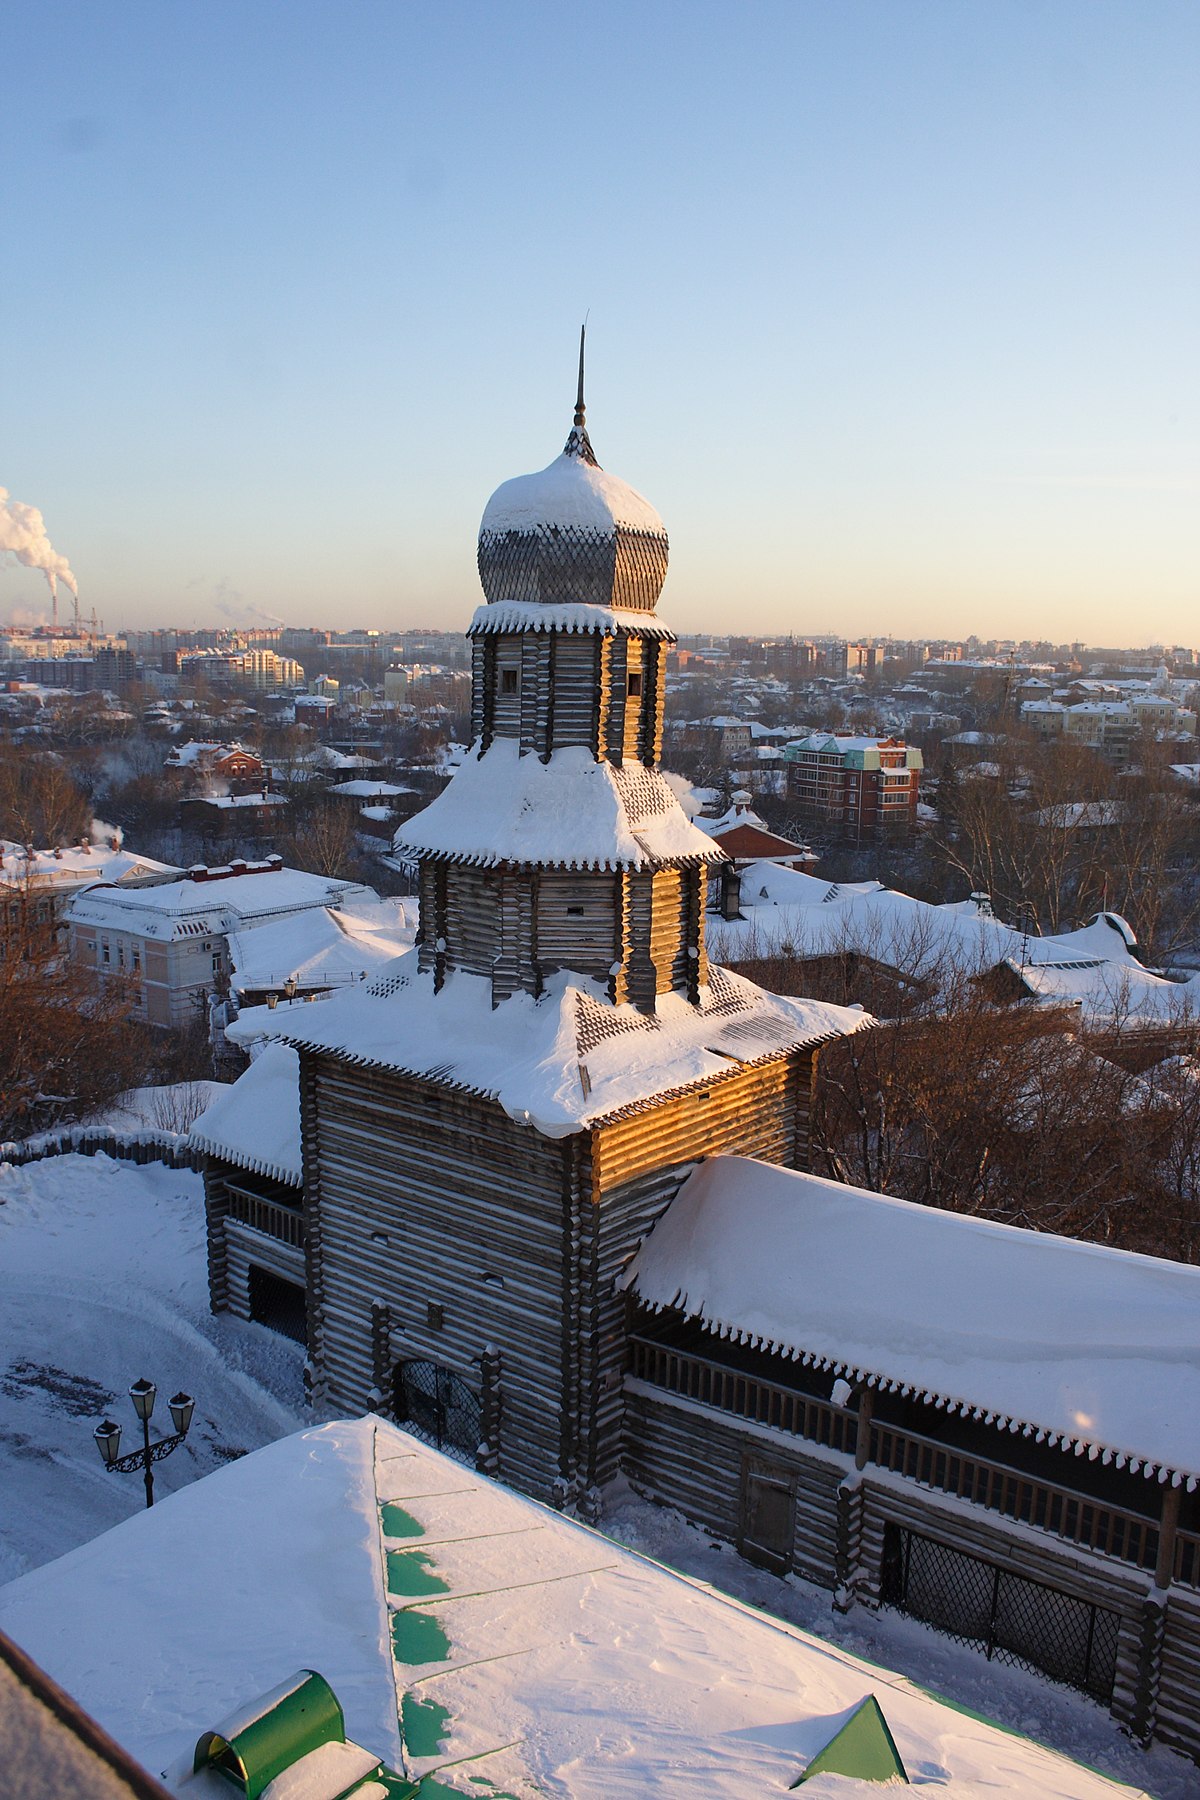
x,y
23,535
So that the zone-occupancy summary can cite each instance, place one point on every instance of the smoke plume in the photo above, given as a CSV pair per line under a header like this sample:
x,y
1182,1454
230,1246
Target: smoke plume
x,y
23,535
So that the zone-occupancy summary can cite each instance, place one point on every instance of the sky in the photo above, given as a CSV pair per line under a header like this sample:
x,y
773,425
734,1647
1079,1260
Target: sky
x,y
893,308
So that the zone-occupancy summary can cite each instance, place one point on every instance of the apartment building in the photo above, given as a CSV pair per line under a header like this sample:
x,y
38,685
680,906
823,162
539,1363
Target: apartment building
x,y
866,785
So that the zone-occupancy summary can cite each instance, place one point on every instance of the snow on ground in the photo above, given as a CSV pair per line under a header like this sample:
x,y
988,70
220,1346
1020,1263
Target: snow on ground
x,y
174,1107
102,1280
1014,1698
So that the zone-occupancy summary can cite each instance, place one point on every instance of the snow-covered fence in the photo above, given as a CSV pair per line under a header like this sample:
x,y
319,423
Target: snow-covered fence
x,y
170,1147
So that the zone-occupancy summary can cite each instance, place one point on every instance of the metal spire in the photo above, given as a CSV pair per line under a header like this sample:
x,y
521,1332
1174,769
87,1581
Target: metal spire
x,y
578,443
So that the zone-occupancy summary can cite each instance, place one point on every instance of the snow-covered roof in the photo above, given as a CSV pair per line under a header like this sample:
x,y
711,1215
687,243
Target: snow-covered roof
x,y
468,1631
185,908
76,865
529,615
193,753
1070,1342
256,1122
369,790
227,801
323,947
569,493
1112,992
786,911
561,1062
571,812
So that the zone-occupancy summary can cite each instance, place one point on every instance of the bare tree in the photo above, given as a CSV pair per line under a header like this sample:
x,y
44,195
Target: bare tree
x,y
67,1044
41,804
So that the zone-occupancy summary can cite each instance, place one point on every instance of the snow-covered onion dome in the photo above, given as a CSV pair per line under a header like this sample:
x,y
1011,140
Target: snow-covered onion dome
x,y
572,534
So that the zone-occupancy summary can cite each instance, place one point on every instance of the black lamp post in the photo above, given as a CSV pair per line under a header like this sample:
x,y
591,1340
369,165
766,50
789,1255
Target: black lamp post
x,y
108,1434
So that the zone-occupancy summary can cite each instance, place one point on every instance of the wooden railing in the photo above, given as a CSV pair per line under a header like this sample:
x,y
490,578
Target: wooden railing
x,y
265,1215
1077,1518
732,1391
1080,1519
1187,1558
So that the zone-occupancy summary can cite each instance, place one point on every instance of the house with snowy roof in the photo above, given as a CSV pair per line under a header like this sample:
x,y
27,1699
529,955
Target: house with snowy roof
x,y
48,880
744,837
220,767
348,1613
1094,970
170,940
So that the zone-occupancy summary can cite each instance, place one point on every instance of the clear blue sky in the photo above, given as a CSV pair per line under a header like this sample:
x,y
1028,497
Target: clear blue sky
x,y
894,305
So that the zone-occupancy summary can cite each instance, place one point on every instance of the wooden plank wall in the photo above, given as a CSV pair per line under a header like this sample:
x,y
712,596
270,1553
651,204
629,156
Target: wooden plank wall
x,y
631,722
1177,1720
245,1246
481,668
756,1111
506,707
690,1457
576,922
635,1166
572,689
216,1212
428,1197
670,930
576,681
472,919
654,701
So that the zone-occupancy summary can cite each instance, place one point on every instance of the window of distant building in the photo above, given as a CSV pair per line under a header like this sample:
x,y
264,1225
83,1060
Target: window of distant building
x,y
508,681
635,685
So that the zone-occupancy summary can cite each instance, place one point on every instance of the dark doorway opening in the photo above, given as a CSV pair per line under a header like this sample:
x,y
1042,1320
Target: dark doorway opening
x,y
278,1303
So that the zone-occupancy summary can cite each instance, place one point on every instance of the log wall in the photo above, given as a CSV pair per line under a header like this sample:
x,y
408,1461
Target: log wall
x,y
635,1167
421,1199
691,1458
572,688
1176,1715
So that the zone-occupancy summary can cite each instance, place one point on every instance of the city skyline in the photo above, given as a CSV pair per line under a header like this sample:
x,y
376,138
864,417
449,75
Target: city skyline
x,y
893,315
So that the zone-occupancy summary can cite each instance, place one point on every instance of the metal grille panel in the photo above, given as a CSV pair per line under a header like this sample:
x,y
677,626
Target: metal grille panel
x,y
436,1404
1011,1619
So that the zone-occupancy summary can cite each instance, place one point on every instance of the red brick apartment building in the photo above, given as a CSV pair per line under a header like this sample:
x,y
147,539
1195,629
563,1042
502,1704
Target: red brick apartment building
x,y
866,785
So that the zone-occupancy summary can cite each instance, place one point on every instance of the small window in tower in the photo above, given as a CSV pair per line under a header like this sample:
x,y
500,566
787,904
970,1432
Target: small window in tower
x,y
508,681
635,683
574,912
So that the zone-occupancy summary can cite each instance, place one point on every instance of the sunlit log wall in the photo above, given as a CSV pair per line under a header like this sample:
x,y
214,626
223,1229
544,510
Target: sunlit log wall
x,y
463,1228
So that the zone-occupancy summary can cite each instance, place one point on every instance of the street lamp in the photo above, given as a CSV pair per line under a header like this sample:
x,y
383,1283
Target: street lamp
x,y
108,1434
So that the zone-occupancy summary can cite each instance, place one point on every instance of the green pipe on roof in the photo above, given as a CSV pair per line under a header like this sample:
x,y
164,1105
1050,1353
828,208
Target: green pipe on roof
x,y
251,1747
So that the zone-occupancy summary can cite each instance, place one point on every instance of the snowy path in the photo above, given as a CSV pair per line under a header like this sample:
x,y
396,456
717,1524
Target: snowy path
x,y
102,1280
